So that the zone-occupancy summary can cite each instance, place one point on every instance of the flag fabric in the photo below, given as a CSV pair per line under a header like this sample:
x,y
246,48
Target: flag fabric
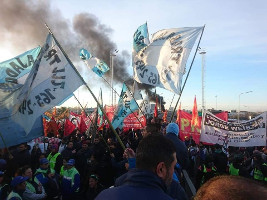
x,y
15,70
52,127
156,108
145,106
165,116
50,81
82,125
136,92
69,127
126,106
98,66
162,63
14,134
195,118
140,38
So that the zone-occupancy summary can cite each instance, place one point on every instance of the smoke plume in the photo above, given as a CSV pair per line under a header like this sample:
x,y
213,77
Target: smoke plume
x,y
23,27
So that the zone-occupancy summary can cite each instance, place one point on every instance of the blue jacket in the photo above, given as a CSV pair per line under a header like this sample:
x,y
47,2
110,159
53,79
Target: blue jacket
x,y
181,150
136,184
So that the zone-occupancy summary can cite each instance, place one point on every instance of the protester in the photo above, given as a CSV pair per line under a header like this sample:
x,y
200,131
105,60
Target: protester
x,y
155,161
69,151
47,177
18,185
70,181
181,150
55,158
93,188
34,189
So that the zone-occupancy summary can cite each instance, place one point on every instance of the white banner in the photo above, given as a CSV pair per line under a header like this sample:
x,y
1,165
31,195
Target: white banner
x,y
162,62
245,134
51,80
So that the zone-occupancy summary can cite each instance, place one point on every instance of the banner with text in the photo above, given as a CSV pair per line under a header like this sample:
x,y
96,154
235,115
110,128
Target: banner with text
x,y
245,134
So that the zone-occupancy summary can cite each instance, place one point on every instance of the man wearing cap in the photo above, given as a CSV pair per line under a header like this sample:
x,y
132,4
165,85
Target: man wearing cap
x,y
47,178
18,185
70,181
181,150
55,159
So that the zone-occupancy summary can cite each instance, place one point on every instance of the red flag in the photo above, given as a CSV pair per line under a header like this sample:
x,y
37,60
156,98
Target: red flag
x,y
45,124
195,119
82,126
156,109
53,127
178,120
69,127
165,116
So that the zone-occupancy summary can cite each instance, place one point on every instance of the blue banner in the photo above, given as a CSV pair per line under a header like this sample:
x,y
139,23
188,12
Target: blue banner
x,y
98,66
14,134
140,38
14,69
126,106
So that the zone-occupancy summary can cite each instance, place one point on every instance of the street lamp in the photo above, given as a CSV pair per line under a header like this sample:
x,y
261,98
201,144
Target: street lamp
x,y
112,54
239,103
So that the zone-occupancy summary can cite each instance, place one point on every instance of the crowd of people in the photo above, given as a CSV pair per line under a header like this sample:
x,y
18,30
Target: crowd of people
x,y
96,166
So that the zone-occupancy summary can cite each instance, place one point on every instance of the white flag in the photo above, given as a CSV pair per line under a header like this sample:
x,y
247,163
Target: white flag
x,y
162,62
136,92
145,106
51,80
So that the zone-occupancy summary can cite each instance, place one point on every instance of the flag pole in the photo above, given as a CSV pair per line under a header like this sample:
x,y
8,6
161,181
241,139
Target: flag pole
x,y
136,104
92,122
187,74
86,85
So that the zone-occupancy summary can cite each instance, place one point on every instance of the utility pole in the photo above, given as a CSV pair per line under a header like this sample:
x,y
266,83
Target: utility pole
x,y
202,52
112,54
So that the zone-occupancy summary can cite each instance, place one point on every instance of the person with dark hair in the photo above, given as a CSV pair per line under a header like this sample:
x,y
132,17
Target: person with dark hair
x,y
231,188
205,171
34,189
22,157
69,151
220,160
93,188
155,161
150,129
181,150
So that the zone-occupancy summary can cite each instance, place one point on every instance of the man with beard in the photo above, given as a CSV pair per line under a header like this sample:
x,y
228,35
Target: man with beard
x,y
155,161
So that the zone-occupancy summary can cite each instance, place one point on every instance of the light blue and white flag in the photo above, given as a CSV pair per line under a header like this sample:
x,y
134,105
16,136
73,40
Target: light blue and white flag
x,y
126,106
50,81
15,70
98,66
162,63
140,38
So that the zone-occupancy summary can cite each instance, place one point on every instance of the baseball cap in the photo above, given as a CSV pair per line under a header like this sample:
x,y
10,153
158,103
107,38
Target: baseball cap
x,y
71,162
18,180
44,161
